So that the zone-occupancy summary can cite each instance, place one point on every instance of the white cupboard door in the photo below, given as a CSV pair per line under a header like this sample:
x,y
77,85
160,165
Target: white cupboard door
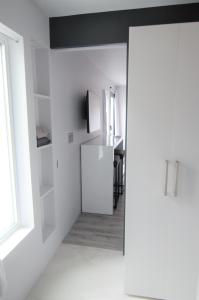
x,y
162,241
151,89
183,218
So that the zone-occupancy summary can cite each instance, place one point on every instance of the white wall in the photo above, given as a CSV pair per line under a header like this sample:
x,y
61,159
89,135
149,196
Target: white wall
x,y
26,262
72,74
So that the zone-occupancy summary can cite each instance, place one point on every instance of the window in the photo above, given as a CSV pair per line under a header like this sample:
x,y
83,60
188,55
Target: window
x,y
110,113
16,195
8,207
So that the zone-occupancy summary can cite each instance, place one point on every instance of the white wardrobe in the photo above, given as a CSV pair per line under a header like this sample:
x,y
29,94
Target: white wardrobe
x,y
162,196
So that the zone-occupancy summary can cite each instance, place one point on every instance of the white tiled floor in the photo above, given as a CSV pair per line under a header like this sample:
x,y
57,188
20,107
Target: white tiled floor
x,y
82,273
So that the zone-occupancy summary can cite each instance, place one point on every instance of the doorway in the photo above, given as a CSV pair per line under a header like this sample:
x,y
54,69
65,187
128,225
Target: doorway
x,y
102,72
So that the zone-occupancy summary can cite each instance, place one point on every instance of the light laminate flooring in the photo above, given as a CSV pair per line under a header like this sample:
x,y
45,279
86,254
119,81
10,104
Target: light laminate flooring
x,y
100,231
82,273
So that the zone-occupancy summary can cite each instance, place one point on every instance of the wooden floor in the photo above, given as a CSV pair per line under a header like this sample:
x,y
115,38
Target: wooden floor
x,y
99,231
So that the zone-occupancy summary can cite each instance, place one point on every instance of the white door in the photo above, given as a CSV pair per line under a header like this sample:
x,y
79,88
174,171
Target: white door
x,y
163,122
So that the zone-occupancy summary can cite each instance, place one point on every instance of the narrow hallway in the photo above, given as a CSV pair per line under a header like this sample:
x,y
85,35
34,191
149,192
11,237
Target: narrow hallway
x,y
101,231
82,273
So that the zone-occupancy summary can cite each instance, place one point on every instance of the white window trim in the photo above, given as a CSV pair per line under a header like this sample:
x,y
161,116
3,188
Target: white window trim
x,y
23,226
4,52
15,238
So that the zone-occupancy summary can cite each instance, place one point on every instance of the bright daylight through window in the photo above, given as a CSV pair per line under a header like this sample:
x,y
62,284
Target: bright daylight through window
x,y
8,208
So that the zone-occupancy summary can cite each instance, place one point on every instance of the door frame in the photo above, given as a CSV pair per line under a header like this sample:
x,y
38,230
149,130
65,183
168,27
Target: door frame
x,y
106,47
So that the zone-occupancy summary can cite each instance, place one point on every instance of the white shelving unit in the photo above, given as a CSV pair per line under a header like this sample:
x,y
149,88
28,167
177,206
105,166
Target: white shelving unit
x,y
45,190
41,78
45,147
42,97
48,215
43,113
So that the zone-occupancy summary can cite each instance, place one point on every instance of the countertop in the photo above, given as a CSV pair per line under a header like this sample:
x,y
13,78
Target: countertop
x,y
107,141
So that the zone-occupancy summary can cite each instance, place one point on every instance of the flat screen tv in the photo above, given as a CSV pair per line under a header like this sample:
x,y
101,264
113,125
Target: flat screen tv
x,y
93,112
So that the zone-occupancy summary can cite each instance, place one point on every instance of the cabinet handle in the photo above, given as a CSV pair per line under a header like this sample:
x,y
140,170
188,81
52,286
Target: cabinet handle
x,y
166,177
176,178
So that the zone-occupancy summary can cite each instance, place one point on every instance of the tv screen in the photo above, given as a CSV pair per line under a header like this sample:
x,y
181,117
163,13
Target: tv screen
x,y
93,112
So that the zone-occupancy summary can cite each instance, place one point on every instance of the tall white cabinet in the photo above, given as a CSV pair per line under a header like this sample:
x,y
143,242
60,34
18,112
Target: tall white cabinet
x,y
42,98
162,193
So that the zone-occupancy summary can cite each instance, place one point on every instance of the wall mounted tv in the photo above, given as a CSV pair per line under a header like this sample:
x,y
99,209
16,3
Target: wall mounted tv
x,y
93,112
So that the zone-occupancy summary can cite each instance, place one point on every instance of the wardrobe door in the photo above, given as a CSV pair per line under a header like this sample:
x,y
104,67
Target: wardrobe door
x,y
151,91
184,214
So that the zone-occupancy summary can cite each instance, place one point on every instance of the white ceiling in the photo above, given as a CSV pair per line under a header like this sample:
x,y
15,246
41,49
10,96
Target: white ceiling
x,y
55,8
111,62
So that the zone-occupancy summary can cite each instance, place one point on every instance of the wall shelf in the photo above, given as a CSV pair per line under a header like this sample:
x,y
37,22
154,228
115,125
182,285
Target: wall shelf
x,y
42,97
48,215
41,69
45,190
45,147
43,115
41,77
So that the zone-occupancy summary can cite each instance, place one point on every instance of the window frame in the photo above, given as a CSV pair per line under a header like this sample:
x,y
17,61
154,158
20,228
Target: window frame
x,y
8,102
110,113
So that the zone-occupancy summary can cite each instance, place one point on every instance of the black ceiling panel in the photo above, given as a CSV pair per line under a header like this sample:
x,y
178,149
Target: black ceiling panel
x,y
112,27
